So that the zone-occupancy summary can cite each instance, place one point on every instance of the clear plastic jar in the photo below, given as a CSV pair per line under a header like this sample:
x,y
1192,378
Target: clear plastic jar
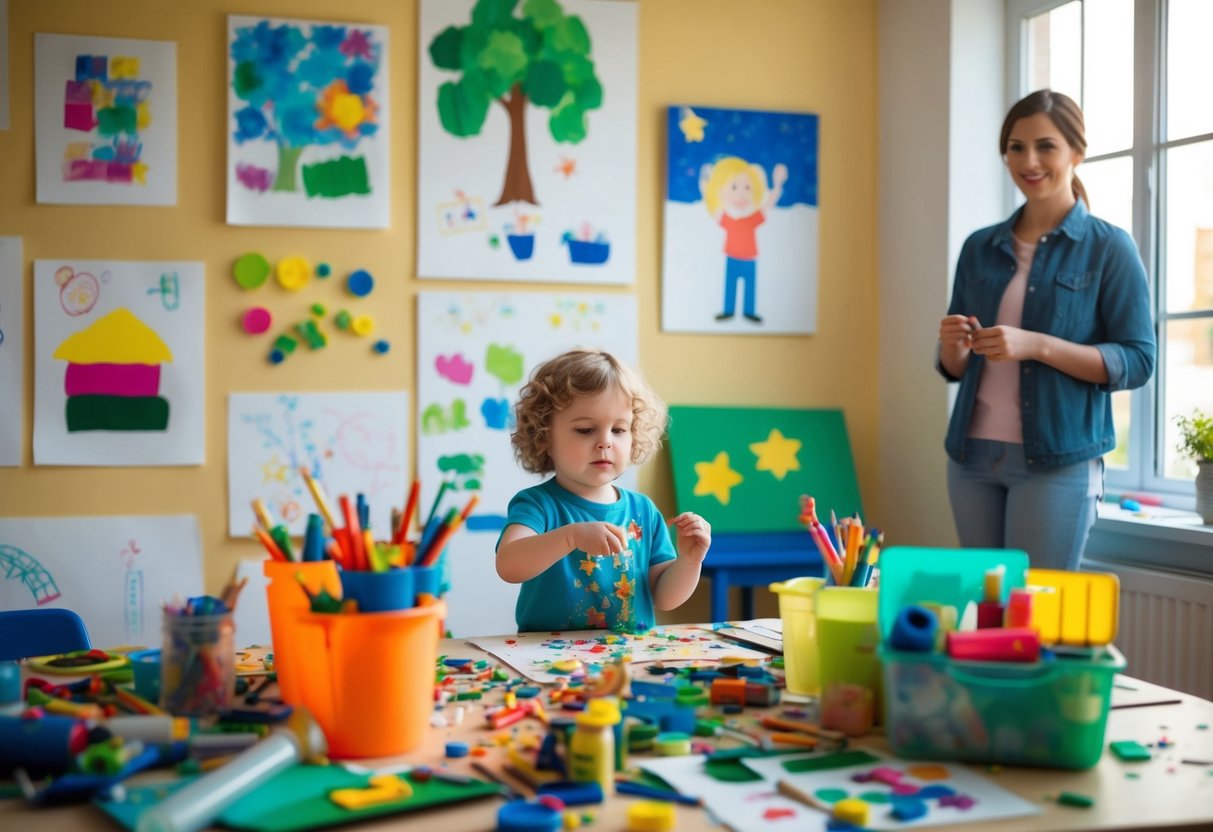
x,y
197,664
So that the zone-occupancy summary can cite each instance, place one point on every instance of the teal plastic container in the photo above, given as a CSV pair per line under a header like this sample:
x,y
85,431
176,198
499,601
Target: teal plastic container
x,y
1049,713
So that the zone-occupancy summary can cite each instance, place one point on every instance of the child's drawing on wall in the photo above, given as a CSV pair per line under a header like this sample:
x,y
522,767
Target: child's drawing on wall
x,y
754,174
737,198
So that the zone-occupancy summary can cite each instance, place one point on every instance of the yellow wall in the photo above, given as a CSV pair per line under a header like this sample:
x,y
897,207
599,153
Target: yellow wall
x,y
800,55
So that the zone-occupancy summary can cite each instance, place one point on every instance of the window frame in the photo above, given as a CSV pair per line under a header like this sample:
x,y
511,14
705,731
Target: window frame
x,y
1146,436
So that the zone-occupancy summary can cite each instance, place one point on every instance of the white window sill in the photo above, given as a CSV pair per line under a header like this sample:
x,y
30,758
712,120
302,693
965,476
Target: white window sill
x,y
1155,538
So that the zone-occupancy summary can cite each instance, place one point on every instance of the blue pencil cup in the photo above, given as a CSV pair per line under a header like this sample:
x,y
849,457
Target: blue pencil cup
x,y
428,579
379,591
145,666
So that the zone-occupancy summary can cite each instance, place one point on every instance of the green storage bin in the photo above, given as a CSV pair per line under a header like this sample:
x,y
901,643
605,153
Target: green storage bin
x,y
1050,713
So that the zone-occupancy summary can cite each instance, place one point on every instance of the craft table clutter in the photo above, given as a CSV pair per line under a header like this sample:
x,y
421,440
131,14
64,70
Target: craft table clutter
x,y
695,727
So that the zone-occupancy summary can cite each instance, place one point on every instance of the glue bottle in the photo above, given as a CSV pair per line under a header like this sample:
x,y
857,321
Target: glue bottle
x,y
592,749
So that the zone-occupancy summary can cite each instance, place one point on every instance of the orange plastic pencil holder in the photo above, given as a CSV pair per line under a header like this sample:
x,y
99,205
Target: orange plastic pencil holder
x,y
286,600
371,685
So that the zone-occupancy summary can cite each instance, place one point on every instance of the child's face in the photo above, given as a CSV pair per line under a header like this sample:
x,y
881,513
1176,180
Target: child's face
x,y
592,444
738,195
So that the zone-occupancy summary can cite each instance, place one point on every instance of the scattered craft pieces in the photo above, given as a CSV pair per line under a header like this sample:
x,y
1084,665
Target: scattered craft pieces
x,y
360,283
1080,801
384,788
251,270
257,320
1130,751
293,273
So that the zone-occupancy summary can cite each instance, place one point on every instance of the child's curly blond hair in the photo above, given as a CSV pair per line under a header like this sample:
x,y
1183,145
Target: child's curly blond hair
x,y
553,386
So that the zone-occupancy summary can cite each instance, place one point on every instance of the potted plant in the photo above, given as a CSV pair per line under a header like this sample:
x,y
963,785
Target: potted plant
x,y
1196,443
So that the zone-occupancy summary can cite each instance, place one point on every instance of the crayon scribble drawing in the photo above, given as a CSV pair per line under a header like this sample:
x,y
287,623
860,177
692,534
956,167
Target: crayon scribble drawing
x,y
527,141
12,352
119,371
18,565
740,234
349,442
475,351
115,571
106,120
308,121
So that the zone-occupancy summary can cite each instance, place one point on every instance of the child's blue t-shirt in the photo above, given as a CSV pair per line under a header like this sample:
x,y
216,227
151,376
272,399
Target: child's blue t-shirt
x,y
580,592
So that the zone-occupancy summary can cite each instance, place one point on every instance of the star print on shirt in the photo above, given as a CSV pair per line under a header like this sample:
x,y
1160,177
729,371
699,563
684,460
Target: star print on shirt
x,y
624,588
588,566
635,531
777,454
595,620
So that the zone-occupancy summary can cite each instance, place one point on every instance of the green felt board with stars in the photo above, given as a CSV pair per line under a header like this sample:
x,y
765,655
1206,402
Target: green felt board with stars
x,y
297,799
766,469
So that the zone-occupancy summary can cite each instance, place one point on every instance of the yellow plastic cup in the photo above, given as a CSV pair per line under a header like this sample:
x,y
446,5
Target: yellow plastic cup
x,y
848,638
796,611
370,686
286,599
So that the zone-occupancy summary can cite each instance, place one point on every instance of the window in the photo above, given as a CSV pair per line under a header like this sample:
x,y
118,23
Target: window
x,y
1140,70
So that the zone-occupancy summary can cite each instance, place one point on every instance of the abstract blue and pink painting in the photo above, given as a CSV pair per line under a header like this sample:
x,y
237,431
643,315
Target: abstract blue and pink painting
x,y
527,140
308,123
350,443
475,350
740,230
106,120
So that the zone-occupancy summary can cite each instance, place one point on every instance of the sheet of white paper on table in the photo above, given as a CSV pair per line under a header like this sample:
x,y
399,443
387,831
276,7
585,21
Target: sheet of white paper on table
x,y
532,654
991,801
743,807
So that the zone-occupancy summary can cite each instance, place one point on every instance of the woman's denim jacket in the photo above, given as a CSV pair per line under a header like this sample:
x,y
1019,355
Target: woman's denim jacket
x,y
1086,285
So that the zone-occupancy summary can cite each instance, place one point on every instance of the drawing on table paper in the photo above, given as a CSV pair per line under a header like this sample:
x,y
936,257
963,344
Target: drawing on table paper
x,y
69,563
119,373
527,122
740,229
308,123
350,443
106,120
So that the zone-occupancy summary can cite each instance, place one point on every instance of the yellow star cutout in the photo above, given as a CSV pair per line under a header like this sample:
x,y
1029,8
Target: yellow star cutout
x,y
691,125
777,454
716,478
273,470
588,566
624,587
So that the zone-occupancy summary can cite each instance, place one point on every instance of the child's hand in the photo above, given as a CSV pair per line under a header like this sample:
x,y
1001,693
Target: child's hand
x,y
597,539
694,536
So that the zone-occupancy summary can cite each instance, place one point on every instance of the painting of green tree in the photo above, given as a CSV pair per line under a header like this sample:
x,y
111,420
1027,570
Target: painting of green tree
x,y
533,54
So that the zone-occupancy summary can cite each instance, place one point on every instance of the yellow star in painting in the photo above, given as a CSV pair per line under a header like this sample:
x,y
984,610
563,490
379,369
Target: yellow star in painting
x,y
273,470
716,478
691,125
624,587
588,566
777,454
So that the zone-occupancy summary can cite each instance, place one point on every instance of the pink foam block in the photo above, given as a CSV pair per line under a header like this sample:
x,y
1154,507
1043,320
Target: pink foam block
x,y
112,380
1005,644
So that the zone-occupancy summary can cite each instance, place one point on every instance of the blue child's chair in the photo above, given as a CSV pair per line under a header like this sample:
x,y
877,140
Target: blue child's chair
x,y
25,633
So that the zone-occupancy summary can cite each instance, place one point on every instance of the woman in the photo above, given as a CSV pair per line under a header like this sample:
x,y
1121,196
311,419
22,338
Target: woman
x,y
1050,314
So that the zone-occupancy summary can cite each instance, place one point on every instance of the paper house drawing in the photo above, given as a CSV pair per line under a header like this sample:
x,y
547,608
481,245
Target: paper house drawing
x,y
113,375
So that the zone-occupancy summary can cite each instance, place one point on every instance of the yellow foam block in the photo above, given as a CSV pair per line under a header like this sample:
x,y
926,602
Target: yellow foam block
x,y
385,788
1082,610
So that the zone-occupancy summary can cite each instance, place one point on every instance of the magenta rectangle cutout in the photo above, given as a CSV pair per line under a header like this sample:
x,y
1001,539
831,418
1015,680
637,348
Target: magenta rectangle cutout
x,y
112,379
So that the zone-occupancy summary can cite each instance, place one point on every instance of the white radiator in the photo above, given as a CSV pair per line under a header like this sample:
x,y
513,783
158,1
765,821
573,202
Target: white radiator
x,y
1166,627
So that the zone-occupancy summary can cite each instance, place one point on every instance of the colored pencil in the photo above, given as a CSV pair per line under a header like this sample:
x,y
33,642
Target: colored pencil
x,y
270,545
322,502
355,556
410,508
263,514
438,500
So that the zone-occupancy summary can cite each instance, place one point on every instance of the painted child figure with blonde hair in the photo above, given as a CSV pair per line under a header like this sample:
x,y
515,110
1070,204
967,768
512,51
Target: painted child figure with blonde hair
x,y
589,554
736,196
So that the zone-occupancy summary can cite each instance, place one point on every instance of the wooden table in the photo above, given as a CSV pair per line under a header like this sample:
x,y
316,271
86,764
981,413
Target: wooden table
x,y
1164,794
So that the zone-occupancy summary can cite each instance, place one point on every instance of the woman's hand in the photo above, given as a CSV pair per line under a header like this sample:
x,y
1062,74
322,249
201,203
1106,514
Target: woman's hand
x,y
1006,343
694,536
956,331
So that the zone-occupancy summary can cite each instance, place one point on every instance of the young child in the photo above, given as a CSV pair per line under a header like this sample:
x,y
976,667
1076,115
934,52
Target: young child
x,y
589,554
